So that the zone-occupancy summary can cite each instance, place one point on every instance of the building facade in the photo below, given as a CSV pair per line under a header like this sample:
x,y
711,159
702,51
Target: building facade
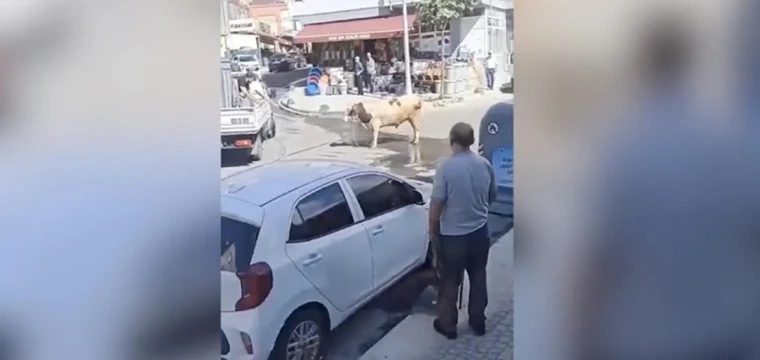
x,y
489,29
275,13
231,11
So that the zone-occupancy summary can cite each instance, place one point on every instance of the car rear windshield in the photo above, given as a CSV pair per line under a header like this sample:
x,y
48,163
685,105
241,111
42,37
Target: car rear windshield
x,y
246,58
238,243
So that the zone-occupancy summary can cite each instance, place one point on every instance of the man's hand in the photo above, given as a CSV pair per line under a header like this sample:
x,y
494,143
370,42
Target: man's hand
x,y
435,247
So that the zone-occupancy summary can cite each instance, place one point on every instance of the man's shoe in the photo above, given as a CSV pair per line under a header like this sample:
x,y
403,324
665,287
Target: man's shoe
x,y
451,335
478,329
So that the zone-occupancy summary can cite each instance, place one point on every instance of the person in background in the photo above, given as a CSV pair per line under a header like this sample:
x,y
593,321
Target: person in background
x,y
255,87
400,66
463,189
370,73
392,68
359,75
490,70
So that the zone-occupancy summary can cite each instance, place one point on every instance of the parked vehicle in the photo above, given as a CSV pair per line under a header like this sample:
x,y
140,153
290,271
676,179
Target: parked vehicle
x,y
286,62
247,61
244,129
307,243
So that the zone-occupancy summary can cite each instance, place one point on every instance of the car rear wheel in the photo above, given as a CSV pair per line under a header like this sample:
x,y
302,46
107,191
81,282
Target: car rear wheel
x,y
303,337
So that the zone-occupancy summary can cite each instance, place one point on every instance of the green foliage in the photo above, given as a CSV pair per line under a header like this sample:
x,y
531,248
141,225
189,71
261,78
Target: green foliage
x,y
440,12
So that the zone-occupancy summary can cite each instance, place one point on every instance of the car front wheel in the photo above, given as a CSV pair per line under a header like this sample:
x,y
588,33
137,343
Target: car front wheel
x,y
303,337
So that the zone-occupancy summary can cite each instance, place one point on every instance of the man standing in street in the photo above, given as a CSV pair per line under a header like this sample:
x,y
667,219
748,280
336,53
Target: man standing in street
x,y
490,70
359,75
370,73
463,188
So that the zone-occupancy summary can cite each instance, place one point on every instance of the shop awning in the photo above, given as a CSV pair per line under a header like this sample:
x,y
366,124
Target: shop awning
x,y
360,29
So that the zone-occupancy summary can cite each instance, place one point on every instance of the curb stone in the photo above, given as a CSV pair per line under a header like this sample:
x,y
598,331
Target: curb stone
x,y
284,106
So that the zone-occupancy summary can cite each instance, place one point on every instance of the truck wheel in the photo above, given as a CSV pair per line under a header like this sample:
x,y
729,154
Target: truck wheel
x,y
272,127
257,148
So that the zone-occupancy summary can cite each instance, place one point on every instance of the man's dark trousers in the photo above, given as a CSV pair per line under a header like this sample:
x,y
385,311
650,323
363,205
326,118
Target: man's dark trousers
x,y
370,81
457,254
359,82
490,73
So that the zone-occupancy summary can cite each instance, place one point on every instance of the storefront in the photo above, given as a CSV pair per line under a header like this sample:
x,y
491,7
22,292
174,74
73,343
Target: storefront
x,y
335,44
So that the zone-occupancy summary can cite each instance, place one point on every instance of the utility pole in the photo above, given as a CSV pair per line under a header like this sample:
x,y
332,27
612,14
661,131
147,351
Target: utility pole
x,y
407,60
226,25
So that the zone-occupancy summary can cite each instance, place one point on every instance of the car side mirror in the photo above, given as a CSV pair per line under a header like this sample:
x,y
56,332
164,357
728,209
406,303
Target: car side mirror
x,y
417,198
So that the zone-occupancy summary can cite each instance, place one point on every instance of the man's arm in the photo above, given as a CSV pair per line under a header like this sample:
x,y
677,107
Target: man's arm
x,y
258,89
437,201
492,187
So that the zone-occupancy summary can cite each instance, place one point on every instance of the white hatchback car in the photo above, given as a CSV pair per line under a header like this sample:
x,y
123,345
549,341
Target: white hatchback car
x,y
304,245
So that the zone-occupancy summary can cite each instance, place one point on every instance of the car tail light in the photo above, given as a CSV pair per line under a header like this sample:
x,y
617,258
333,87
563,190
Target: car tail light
x,y
255,285
246,343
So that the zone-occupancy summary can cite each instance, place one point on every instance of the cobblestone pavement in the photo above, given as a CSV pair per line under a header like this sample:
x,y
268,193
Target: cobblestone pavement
x,y
497,344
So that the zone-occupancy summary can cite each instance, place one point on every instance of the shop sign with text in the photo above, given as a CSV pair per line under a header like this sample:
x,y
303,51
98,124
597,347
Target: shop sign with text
x,y
242,25
348,37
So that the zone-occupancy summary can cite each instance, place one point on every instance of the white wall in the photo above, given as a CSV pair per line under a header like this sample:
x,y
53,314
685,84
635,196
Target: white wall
x,y
474,36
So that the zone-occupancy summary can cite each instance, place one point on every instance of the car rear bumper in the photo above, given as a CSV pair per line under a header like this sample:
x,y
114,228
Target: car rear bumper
x,y
235,323
229,141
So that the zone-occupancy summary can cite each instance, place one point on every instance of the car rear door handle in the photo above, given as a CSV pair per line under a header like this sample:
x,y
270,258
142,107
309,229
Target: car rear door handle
x,y
312,259
378,230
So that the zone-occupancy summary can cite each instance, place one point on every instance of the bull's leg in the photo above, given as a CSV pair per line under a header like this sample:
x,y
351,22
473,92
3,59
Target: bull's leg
x,y
416,129
375,134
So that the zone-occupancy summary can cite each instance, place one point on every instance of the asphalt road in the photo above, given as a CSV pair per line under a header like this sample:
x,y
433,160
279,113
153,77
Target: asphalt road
x,y
284,79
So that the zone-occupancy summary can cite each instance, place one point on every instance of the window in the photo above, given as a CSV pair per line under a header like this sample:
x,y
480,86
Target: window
x,y
319,214
426,28
238,242
378,194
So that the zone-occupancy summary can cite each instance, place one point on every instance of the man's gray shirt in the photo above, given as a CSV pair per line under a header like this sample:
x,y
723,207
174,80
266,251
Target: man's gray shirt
x,y
464,183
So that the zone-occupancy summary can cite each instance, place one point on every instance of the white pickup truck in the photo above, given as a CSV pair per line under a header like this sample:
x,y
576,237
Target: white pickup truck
x,y
246,128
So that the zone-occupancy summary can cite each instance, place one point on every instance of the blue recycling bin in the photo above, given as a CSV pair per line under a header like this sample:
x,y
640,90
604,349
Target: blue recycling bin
x,y
311,89
497,146
315,71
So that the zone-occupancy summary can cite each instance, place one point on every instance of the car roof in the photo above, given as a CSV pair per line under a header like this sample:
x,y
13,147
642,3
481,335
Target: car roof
x,y
263,184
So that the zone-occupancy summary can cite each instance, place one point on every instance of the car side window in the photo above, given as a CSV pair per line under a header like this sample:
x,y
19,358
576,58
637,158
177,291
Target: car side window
x,y
378,194
320,213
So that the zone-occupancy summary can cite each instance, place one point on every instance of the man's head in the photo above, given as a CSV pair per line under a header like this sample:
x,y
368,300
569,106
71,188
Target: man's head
x,y
356,59
490,54
461,136
251,75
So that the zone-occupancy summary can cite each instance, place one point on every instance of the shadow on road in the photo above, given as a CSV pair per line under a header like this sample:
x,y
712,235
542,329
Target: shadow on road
x,y
235,158
416,162
362,330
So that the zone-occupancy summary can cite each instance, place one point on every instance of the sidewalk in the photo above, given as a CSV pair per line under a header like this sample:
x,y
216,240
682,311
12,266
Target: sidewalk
x,y
297,102
415,339
325,105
